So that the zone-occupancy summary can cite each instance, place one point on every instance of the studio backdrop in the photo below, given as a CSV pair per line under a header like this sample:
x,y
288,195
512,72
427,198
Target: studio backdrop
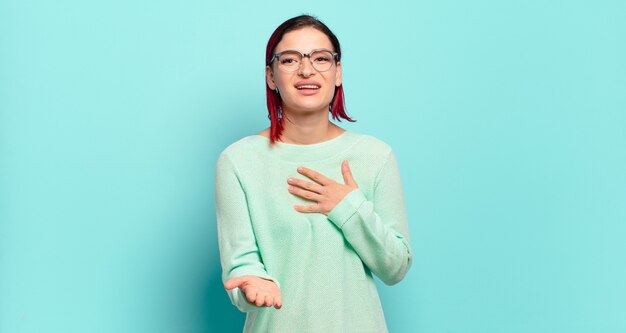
x,y
508,119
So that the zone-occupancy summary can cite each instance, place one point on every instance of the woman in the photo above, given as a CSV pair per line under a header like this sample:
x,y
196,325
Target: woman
x,y
300,230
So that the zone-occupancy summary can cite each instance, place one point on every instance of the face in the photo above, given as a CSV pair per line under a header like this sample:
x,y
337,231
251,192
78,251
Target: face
x,y
306,90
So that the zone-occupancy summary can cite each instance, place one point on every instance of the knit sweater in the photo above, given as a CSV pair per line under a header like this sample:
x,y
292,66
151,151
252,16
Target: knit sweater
x,y
322,264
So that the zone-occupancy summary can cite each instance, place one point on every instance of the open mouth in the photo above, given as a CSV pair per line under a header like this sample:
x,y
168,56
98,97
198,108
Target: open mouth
x,y
307,86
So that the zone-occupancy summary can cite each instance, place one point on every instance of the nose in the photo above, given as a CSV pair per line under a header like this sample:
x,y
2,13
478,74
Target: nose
x,y
306,67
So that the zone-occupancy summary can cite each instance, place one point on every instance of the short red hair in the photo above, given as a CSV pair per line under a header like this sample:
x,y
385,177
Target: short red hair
x,y
337,107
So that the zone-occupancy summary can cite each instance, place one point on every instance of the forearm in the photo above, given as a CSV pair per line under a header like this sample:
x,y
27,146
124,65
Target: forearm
x,y
382,247
239,253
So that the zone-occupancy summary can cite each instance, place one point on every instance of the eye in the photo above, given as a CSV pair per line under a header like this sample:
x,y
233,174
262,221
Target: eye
x,y
321,59
289,59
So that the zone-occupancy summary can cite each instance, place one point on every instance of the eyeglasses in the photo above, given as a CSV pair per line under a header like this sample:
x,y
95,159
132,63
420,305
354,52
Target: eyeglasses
x,y
290,60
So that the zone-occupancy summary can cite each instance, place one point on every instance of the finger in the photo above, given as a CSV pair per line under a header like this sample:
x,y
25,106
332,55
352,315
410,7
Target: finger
x,y
252,293
260,299
315,176
269,300
348,179
308,195
313,187
278,301
308,209
235,282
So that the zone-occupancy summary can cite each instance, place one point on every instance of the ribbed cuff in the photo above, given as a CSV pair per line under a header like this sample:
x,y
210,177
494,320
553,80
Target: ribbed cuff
x,y
347,207
240,301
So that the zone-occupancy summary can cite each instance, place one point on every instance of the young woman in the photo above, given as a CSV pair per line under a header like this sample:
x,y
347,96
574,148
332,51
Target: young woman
x,y
306,210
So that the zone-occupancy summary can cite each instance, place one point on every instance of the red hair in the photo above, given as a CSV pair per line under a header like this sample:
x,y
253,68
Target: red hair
x,y
274,106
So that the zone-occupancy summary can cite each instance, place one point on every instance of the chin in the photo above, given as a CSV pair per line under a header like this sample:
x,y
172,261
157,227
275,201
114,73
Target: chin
x,y
309,107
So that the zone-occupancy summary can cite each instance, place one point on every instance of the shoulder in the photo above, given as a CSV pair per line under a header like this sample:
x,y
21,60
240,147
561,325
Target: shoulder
x,y
373,145
241,147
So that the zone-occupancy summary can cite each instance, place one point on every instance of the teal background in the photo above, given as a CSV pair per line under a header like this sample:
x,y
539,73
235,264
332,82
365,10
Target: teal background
x,y
508,119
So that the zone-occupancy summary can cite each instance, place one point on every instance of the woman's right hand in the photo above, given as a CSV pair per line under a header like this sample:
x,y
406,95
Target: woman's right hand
x,y
259,291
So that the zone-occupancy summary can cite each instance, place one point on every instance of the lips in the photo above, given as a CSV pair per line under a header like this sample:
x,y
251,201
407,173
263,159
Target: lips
x,y
307,85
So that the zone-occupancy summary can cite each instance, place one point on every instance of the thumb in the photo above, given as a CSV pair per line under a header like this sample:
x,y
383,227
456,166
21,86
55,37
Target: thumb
x,y
234,282
348,179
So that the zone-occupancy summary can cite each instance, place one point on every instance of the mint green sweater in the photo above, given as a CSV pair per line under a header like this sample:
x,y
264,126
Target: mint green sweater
x,y
322,264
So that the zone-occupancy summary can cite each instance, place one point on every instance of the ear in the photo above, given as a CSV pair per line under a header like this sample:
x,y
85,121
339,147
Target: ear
x,y
269,78
338,75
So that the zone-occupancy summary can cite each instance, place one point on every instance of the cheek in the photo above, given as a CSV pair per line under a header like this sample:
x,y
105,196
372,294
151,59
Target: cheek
x,y
279,79
331,90
331,85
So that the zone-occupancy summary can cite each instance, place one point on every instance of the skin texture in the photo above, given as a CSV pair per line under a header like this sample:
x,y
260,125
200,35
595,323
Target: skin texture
x,y
325,192
305,118
259,291
304,40
305,122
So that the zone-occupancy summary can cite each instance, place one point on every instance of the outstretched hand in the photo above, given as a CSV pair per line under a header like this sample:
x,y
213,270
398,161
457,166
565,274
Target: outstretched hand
x,y
259,291
325,192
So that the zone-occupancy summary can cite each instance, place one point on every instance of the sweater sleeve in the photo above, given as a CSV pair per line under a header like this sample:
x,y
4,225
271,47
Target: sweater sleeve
x,y
378,229
239,253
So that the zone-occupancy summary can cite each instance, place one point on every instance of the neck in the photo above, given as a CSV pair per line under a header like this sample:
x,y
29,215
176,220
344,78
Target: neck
x,y
308,128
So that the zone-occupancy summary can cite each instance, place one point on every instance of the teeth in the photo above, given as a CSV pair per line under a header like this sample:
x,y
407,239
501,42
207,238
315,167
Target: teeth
x,y
309,86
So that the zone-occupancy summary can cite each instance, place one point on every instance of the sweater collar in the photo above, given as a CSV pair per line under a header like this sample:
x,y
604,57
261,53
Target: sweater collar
x,y
305,153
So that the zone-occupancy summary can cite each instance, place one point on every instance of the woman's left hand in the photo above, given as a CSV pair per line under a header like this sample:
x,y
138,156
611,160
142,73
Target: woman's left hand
x,y
325,192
